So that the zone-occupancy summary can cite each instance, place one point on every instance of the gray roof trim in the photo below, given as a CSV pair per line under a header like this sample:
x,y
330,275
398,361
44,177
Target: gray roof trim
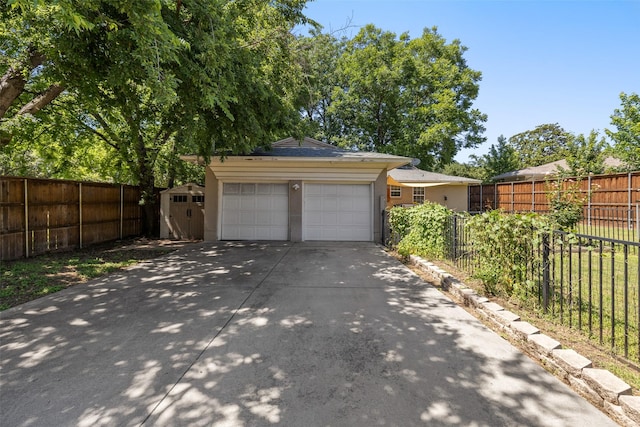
x,y
413,174
548,169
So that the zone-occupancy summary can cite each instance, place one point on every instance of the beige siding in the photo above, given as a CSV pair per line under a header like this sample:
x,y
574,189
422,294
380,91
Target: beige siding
x,y
211,206
456,196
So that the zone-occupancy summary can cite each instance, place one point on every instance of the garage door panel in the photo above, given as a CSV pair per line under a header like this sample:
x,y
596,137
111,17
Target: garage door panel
x,y
337,212
255,211
313,204
247,218
247,203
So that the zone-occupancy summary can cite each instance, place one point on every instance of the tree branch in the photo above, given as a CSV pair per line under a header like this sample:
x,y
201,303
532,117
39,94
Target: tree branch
x,y
116,141
42,99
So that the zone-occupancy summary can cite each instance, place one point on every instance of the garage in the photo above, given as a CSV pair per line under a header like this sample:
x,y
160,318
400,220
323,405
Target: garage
x,y
255,211
338,212
297,190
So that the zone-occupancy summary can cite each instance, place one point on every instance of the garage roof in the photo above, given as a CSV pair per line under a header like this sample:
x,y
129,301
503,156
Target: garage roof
x,y
310,147
411,176
311,150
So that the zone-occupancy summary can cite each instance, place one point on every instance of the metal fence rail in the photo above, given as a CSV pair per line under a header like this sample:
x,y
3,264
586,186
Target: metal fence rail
x,y
589,283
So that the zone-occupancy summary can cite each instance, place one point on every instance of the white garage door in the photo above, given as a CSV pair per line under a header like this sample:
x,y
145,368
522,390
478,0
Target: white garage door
x,y
255,211
337,212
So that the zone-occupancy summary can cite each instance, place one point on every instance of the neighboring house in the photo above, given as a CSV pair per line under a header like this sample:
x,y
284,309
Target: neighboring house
x,y
548,170
297,191
408,185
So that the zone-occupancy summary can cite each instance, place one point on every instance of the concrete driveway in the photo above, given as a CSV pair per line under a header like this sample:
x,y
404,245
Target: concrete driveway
x,y
257,334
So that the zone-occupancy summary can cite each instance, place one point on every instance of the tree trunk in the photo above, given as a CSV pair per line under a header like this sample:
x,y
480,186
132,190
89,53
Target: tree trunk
x,y
151,214
13,81
172,165
11,86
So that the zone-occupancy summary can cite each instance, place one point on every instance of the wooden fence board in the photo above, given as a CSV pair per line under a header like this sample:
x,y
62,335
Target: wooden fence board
x,y
64,215
612,199
605,190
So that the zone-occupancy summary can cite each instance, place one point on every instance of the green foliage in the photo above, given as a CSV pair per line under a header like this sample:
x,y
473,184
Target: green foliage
x,y
504,243
318,56
585,155
399,222
546,143
397,95
566,203
501,158
468,170
147,80
421,229
627,138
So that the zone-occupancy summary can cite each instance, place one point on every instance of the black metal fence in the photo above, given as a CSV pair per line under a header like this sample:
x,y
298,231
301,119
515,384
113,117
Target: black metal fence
x,y
586,282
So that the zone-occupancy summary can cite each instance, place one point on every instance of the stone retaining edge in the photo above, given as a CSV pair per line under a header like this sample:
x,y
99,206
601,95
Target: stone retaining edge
x,y
598,386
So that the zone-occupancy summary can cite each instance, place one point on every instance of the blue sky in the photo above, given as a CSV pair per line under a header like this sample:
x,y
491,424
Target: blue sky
x,y
547,61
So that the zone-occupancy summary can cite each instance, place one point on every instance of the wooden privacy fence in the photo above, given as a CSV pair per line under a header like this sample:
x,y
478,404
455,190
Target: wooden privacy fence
x,y
44,215
614,198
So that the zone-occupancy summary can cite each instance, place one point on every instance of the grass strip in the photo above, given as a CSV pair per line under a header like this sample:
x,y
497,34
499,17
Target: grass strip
x,y
27,279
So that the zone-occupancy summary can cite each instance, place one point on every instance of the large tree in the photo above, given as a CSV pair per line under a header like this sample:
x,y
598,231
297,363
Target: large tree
x,y
318,56
500,159
156,77
406,96
586,155
627,136
546,143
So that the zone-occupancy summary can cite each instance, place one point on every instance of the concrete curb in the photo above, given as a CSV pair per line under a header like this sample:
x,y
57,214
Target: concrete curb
x,y
598,386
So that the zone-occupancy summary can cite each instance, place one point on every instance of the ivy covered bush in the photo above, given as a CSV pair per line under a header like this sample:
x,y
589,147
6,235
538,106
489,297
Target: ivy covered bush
x,y
505,244
420,230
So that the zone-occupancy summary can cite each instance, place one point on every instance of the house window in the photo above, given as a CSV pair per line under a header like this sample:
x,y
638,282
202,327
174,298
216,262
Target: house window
x,y
180,199
395,191
197,199
418,195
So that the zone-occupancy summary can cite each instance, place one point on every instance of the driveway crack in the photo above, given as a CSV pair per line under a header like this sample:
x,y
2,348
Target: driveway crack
x,y
206,347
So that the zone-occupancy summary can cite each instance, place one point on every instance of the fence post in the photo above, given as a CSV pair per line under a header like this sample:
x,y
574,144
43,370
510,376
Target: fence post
x,y
26,218
533,196
545,271
80,214
512,197
455,237
121,210
589,202
629,226
638,221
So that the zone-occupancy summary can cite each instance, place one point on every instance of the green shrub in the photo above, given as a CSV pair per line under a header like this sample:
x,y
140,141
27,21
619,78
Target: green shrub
x,y
505,245
421,229
399,223
566,203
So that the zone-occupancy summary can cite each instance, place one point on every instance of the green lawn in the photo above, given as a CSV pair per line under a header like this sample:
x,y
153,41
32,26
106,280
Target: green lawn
x,y
608,231
598,293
